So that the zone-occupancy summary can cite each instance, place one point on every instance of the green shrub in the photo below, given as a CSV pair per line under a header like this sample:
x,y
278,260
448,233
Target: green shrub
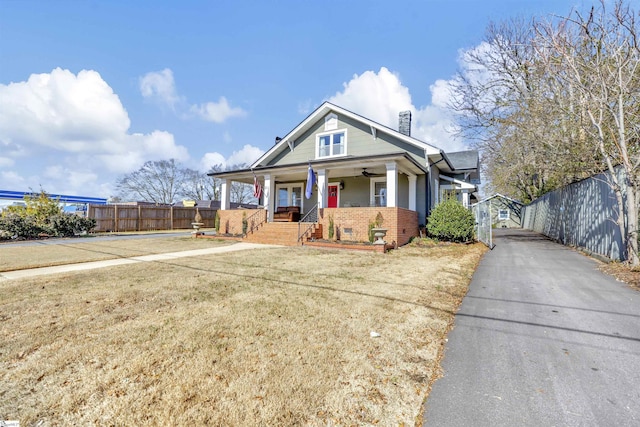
x,y
245,224
20,226
375,224
451,221
217,222
41,215
331,227
69,225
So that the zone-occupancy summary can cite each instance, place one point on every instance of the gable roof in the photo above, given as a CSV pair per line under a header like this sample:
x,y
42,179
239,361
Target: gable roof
x,y
464,160
327,108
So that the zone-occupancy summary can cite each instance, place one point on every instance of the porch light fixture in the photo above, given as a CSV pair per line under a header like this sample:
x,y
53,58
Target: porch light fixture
x,y
341,184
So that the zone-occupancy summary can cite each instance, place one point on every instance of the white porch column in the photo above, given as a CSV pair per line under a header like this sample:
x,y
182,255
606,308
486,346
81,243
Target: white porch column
x,y
465,198
225,195
322,188
392,184
412,192
269,195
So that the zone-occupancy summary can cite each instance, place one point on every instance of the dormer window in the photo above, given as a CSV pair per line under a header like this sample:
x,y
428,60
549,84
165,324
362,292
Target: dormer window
x,y
331,144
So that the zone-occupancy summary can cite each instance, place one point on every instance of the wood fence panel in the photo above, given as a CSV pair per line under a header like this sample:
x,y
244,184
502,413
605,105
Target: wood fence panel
x,y
118,218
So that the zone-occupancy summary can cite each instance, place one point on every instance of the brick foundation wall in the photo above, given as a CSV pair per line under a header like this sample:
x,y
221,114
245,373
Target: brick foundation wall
x,y
231,220
353,223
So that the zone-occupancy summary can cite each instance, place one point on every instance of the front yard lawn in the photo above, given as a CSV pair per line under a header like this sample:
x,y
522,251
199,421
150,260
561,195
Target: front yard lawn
x,y
262,337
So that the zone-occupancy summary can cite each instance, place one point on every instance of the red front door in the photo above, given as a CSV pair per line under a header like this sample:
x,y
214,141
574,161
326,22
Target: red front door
x,y
332,200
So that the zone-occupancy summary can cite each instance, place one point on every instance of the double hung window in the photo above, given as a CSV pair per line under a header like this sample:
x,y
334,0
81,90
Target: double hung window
x,y
332,144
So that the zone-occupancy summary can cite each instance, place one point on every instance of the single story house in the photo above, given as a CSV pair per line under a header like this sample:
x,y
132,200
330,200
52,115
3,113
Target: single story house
x,y
344,171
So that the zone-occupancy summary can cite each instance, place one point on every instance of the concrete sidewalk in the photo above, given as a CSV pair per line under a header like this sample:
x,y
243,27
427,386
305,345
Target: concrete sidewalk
x,y
19,274
541,339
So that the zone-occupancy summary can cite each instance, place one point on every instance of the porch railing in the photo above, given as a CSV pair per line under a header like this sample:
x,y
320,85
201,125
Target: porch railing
x,y
310,217
254,221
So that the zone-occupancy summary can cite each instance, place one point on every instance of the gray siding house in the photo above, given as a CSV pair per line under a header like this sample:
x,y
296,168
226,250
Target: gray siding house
x,y
356,163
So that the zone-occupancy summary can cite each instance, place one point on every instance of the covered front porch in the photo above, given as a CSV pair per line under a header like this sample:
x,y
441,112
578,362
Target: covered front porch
x,y
391,181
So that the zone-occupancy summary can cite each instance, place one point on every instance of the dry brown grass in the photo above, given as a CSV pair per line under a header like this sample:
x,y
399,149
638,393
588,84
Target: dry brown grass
x,y
623,273
14,257
265,337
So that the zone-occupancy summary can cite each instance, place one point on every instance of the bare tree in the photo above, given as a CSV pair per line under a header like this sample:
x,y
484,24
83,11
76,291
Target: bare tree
x,y
241,192
198,186
600,56
505,108
156,181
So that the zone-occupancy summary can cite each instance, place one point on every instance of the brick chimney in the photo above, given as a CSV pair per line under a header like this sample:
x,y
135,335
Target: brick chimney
x,y
404,122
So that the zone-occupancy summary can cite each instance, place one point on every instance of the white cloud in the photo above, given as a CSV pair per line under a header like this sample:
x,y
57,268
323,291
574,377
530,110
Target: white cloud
x,y
210,160
217,112
246,155
159,85
381,96
12,180
62,130
61,111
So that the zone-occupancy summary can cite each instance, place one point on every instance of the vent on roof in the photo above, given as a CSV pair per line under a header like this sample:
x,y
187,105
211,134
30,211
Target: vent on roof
x,y
404,123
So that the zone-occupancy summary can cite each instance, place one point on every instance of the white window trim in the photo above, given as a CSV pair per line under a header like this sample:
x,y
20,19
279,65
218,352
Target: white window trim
x,y
372,190
500,217
289,186
319,135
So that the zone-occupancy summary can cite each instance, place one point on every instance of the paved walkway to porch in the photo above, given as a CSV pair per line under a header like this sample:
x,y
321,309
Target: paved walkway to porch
x,y
19,274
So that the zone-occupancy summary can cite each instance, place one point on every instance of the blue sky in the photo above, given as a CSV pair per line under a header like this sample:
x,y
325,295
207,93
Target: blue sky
x,y
91,90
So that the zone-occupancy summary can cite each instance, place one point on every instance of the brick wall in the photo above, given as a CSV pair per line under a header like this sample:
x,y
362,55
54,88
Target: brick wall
x,y
353,223
231,220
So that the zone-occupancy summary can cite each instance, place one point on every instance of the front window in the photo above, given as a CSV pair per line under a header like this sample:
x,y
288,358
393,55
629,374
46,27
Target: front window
x,y
379,192
332,144
289,195
503,214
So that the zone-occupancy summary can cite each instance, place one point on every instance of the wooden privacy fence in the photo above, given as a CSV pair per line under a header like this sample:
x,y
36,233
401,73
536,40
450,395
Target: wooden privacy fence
x,y
147,218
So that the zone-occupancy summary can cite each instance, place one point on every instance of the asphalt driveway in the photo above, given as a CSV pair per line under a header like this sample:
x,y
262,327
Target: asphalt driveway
x,y
541,339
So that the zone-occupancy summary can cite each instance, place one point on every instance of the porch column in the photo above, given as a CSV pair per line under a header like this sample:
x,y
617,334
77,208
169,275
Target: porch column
x,y
225,195
269,195
412,192
465,198
322,188
392,184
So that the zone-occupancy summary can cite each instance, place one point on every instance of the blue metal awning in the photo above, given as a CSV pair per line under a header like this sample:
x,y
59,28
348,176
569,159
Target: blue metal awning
x,y
19,195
